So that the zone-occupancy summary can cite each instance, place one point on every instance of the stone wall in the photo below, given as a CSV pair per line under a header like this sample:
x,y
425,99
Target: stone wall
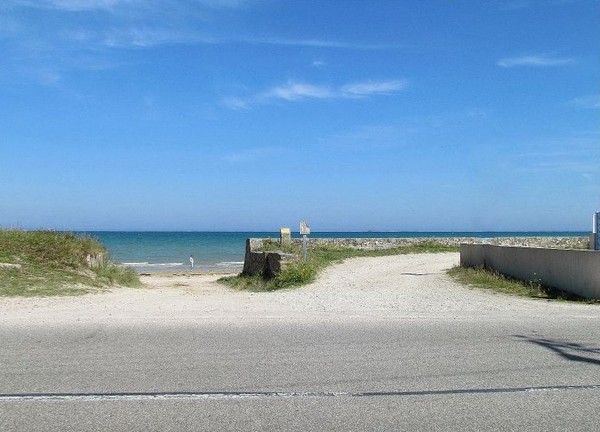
x,y
389,243
269,264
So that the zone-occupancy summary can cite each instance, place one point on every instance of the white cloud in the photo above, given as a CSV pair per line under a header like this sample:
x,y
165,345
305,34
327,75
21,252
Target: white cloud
x,y
587,102
577,153
236,103
72,5
254,154
90,5
146,37
137,24
368,138
373,87
314,43
294,91
223,3
516,5
536,60
87,35
87,4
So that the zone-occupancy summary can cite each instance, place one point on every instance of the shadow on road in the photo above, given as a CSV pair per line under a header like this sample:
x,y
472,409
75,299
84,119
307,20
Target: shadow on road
x,y
567,350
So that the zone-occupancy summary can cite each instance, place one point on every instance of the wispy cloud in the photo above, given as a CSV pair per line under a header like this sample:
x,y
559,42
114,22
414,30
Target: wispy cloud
x,y
515,5
373,87
149,23
145,37
254,154
406,131
140,35
70,5
586,102
313,43
114,5
369,138
576,154
224,3
84,29
80,33
294,91
535,60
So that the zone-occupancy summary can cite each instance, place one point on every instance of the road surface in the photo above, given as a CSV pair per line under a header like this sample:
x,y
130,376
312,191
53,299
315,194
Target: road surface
x,y
471,361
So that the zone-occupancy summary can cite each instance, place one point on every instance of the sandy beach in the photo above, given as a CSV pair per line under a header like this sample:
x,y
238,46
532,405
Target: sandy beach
x,y
395,287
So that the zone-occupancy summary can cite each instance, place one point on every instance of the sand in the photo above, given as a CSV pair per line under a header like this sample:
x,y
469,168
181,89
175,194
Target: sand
x,y
403,287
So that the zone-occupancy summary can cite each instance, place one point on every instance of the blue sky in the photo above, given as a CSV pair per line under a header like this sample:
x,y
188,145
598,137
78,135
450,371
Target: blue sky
x,y
256,114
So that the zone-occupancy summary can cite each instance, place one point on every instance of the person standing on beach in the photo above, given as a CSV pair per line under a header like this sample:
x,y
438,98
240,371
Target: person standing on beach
x,y
191,262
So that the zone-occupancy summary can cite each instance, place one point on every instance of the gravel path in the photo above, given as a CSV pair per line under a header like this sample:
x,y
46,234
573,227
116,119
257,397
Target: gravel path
x,y
384,288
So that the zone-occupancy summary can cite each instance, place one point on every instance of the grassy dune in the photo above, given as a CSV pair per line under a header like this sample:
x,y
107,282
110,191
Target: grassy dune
x,y
50,263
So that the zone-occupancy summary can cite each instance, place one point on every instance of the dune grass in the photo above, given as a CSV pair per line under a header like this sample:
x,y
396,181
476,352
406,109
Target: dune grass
x,y
51,263
298,273
497,282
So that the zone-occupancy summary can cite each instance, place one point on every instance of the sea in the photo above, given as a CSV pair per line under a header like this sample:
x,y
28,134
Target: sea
x,y
223,252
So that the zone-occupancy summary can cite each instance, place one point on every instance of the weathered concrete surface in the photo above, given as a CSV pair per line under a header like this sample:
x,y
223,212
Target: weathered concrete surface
x,y
573,271
254,262
265,264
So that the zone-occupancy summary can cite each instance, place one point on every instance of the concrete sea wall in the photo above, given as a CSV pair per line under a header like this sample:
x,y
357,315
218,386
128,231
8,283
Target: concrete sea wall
x,y
573,271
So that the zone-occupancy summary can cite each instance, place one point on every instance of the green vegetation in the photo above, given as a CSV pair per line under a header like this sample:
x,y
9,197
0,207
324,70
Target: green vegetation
x,y
50,263
497,282
297,273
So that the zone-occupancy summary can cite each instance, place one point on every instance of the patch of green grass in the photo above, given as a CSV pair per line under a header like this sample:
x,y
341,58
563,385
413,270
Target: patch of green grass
x,y
245,283
30,281
51,263
298,273
497,282
52,249
294,274
269,245
110,274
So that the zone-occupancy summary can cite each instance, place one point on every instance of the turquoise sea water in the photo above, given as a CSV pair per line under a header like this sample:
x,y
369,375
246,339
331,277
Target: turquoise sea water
x,y
224,251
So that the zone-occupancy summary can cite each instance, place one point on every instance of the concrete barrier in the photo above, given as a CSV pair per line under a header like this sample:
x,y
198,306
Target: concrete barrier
x,y
265,264
573,271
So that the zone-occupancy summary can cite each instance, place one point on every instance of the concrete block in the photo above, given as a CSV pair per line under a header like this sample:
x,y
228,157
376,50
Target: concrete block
x,y
573,271
285,237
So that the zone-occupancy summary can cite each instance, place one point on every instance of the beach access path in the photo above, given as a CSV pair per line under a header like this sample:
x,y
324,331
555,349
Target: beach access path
x,y
387,343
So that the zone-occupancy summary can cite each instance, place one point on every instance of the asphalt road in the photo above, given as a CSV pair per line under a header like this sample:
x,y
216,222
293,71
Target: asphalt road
x,y
485,373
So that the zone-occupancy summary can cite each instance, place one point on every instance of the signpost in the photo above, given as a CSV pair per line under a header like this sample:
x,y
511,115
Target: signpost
x,y
304,231
595,231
